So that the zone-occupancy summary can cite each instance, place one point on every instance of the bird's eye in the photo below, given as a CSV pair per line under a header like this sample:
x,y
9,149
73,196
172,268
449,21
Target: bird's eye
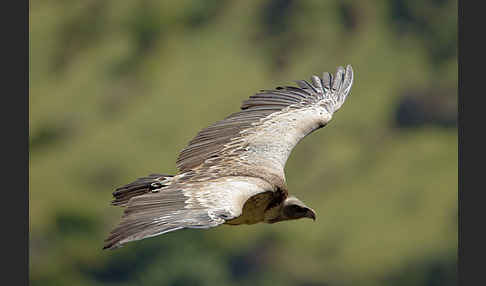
x,y
300,210
296,208
294,211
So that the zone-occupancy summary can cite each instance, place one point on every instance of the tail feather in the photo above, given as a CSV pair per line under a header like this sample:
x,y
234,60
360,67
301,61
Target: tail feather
x,y
140,187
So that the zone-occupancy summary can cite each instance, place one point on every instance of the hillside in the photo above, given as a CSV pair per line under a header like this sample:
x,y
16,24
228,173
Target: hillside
x,y
118,88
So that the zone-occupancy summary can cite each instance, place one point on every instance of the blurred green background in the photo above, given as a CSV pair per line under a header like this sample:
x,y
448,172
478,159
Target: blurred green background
x,y
117,89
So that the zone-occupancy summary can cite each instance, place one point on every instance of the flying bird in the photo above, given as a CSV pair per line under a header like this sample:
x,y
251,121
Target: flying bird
x,y
232,172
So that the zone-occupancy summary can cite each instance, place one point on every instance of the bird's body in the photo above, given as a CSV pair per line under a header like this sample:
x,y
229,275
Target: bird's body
x,y
233,171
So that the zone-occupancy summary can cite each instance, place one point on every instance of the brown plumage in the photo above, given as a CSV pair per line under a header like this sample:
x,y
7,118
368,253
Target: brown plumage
x,y
232,172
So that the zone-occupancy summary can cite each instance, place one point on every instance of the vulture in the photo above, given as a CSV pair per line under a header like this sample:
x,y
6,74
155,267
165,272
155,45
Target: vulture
x,y
232,172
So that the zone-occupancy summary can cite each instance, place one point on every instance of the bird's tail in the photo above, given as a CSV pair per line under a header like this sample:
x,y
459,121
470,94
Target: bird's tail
x,y
139,187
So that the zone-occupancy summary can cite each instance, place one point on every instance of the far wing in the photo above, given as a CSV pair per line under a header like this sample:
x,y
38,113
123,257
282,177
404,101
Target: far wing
x,y
260,137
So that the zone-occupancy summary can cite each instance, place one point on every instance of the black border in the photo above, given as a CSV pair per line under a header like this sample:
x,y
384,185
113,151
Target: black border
x,y
471,179
15,135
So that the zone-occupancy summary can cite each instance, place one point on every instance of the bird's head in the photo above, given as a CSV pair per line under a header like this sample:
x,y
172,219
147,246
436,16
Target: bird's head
x,y
293,208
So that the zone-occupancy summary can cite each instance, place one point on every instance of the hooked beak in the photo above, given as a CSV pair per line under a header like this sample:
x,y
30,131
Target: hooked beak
x,y
311,214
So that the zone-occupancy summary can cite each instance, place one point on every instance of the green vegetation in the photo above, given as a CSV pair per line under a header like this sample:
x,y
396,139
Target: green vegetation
x,y
117,88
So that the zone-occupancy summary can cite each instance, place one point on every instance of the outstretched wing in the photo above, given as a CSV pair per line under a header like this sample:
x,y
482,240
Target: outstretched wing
x,y
260,137
185,205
